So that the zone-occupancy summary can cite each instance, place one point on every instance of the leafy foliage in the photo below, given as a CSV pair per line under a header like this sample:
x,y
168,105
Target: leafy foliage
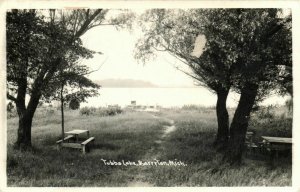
x,y
36,56
87,110
43,56
74,104
240,45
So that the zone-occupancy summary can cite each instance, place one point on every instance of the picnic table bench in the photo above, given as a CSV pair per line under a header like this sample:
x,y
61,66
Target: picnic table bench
x,y
74,134
68,138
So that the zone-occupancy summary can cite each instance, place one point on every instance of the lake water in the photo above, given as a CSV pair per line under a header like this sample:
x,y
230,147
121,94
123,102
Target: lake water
x,y
165,97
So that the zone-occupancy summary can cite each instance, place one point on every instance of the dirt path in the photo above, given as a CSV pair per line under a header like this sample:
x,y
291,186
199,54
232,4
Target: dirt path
x,y
139,179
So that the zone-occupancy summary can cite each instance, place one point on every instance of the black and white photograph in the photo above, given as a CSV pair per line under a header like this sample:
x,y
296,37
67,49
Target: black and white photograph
x,y
148,96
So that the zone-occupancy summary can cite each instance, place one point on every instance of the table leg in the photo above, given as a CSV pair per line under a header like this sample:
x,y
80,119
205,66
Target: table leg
x,y
88,134
272,155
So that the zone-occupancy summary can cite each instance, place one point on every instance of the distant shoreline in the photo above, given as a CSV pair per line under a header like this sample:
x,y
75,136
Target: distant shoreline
x,y
167,97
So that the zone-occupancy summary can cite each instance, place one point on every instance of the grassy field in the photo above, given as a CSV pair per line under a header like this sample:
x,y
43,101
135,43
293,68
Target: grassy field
x,y
133,136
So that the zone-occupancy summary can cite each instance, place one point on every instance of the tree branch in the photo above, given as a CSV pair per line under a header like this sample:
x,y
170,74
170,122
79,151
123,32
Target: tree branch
x,y
75,23
277,28
100,24
10,97
86,23
194,77
89,72
162,50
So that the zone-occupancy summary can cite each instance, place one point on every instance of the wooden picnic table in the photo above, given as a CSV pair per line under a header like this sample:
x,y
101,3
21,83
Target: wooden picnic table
x,y
275,144
75,134
278,140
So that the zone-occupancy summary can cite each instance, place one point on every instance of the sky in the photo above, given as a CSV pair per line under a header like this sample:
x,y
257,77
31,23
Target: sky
x,y
118,62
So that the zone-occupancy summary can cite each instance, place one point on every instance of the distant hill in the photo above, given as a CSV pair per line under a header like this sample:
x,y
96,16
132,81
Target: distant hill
x,y
124,83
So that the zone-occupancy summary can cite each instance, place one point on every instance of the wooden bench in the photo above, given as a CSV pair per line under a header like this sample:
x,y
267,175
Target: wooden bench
x,y
86,142
249,142
65,139
82,145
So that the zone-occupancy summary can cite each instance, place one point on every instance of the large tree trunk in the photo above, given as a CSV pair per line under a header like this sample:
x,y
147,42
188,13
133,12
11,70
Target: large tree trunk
x,y
26,113
239,124
25,120
223,120
24,131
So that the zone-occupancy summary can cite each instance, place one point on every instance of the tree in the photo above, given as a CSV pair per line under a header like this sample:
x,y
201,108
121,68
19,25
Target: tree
x,y
25,74
263,46
37,47
255,47
245,50
175,31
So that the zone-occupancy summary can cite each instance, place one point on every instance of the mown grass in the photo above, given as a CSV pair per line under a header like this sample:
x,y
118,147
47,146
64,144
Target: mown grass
x,y
132,136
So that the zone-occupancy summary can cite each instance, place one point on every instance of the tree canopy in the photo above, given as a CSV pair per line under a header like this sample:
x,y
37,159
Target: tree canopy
x,y
246,50
235,40
43,51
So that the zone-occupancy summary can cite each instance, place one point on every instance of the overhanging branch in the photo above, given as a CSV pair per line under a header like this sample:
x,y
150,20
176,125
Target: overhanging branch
x,y
86,23
89,72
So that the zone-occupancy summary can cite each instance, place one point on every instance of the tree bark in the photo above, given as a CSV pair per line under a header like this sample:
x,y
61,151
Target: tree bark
x,y
239,124
221,141
25,119
24,131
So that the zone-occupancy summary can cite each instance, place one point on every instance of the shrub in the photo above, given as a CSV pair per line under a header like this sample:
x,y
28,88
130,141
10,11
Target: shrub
x,y
10,107
265,122
101,111
11,110
289,105
192,107
50,111
87,110
74,104
110,111
276,127
12,113
265,113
